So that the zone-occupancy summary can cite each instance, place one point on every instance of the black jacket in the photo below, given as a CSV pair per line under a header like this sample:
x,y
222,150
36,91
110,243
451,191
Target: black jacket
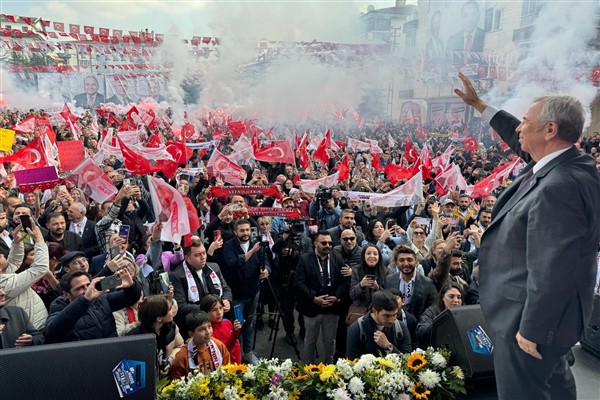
x,y
357,346
84,320
16,322
241,275
309,284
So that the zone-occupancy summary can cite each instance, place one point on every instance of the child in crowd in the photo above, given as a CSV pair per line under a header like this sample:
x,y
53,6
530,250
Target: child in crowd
x,y
223,329
201,352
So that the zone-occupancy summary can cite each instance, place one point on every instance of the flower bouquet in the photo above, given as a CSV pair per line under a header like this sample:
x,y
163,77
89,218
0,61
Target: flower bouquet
x,y
420,375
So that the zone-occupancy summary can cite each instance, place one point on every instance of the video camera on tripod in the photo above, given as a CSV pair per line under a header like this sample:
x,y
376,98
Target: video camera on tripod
x,y
323,194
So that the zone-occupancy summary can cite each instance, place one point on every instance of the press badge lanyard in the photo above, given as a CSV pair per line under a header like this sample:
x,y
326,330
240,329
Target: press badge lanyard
x,y
328,283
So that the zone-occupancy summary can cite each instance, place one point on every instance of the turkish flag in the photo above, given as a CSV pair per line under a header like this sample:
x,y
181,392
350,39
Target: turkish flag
x,y
344,169
422,133
302,152
219,165
470,144
376,163
170,208
67,114
154,141
255,141
135,163
179,152
410,154
279,151
321,151
31,156
237,128
58,26
89,30
74,28
396,173
484,187
132,110
187,131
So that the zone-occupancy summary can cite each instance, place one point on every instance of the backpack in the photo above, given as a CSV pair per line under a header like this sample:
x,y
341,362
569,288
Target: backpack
x,y
363,336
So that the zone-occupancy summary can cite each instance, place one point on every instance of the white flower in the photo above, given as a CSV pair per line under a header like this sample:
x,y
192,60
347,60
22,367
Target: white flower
x,y
438,360
230,393
356,386
338,394
345,368
277,393
456,371
249,374
365,361
429,378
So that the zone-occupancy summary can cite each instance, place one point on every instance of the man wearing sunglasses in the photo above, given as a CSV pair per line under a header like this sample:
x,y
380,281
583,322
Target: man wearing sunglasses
x,y
320,286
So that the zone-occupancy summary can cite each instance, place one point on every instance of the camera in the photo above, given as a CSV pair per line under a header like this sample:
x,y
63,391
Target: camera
x,y
264,241
323,194
295,227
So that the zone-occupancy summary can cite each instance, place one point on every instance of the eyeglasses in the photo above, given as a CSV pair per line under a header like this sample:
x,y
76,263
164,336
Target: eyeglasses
x,y
80,261
326,243
348,239
418,233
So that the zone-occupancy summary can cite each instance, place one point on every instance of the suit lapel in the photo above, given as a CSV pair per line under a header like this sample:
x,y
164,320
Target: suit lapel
x,y
514,193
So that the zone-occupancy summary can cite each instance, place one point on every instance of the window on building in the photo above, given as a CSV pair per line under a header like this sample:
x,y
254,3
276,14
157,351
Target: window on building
x,y
530,11
493,19
497,20
8,27
380,24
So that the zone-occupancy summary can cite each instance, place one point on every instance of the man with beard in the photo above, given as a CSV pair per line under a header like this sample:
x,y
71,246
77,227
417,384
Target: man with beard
x,y
320,286
419,292
466,211
57,232
347,221
196,279
245,264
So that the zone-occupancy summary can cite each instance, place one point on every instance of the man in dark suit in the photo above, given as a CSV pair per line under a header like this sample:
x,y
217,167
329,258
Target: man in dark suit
x,y
84,228
90,98
58,233
470,38
320,287
194,279
120,97
537,297
16,330
418,291
245,265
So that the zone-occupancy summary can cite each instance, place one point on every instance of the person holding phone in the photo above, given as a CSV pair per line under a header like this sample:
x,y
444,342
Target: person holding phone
x,y
84,312
223,329
367,277
17,286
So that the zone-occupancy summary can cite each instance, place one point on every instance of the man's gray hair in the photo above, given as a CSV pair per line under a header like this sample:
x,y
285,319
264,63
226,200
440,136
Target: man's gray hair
x,y
566,111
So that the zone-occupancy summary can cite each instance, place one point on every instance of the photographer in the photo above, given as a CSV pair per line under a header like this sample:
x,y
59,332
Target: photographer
x,y
324,210
289,247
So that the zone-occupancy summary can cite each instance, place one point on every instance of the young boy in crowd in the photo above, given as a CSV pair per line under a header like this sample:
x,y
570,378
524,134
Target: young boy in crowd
x,y
201,352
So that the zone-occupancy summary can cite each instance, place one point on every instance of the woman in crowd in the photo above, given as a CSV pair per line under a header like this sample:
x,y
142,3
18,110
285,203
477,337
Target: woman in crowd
x,y
155,315
378,236
451,295
433,256
368,276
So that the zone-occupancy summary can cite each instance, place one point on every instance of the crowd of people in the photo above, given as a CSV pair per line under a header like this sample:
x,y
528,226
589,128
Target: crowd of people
x,y
353,277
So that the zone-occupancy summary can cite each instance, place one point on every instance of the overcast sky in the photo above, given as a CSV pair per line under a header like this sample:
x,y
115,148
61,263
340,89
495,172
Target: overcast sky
x,y
332,20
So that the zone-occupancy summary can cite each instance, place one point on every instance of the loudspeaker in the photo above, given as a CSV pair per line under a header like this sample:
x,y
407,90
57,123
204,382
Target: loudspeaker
x,y
591,333
464,332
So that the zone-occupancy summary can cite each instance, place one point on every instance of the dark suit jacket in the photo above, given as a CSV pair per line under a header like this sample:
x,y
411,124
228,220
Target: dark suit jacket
x,y
81,100
538,256
180,290
71,241
424,292
456,43
242,276
308,283
115,100
90,242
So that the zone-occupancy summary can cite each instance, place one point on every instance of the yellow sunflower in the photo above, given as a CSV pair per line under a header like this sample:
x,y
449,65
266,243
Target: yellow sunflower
x,y
298,375
203,390
315,369
236,369
420,392
416,361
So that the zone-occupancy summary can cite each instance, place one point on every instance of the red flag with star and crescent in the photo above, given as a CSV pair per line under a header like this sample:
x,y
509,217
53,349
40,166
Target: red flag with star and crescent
x,y
279,151
31,156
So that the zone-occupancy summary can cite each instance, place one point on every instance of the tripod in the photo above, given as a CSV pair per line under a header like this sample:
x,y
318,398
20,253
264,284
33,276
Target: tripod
x,y
278,313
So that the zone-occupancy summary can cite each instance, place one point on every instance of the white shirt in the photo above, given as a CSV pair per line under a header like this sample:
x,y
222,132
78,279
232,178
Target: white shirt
x,y
78,227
